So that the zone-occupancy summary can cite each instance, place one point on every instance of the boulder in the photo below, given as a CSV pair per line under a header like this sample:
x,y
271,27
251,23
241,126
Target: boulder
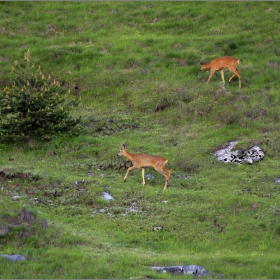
x,y
252,155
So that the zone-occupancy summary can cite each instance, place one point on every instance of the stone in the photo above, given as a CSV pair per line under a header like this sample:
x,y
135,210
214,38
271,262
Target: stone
x,y
13,258
250,156
106,196
26,216
195,270
3,230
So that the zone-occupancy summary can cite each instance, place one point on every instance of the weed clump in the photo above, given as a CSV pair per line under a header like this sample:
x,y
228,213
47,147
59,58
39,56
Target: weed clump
x,y
35,105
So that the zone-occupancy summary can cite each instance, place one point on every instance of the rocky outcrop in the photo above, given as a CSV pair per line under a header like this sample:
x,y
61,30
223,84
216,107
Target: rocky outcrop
x,y
195,270
252,155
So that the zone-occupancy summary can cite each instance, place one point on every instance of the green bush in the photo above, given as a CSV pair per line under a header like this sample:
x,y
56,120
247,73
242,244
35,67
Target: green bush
x,y
35,105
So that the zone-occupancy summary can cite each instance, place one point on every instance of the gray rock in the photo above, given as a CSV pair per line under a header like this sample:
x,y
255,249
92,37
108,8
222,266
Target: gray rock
x,y
13,258
254,154
184,176
169,269
227,155
106,196
195,270
26,217
250,156
149,176
157,228
78,184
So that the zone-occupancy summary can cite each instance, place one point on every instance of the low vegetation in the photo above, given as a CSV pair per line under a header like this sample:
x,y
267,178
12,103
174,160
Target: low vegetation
x,y
34,105
130,72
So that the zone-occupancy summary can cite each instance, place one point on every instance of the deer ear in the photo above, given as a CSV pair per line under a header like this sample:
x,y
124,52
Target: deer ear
x,y
201,63
124,145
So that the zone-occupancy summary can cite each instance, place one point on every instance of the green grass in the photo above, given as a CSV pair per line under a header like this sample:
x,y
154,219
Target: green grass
x,y
135,66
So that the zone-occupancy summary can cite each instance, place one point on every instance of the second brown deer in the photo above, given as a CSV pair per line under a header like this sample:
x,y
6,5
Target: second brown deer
x,y
143,161
221,63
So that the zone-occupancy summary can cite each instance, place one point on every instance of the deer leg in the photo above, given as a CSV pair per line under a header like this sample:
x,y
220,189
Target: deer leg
x,y
231,78
210,76
169,174
168,170
222,75
236,73
160,170
165,186
129,169
143,176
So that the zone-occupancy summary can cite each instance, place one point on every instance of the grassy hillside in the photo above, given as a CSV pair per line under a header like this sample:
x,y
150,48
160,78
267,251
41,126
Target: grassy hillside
x,y
135,67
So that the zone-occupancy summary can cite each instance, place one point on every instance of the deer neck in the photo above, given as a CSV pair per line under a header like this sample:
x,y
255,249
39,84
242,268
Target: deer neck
x,y
127,155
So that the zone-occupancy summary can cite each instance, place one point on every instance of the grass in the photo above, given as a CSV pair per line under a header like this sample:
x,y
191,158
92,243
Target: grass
x,y
135,66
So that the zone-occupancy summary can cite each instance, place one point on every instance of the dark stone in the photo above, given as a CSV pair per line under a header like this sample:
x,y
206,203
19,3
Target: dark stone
x,y
26,216
3,231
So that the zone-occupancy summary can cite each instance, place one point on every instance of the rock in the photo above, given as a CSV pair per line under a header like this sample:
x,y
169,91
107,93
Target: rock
x,y
149,176
43,224
169,269
157,228
184,176
227,155
106,196
78,184
254,154
3,231
272,64
25,205
250,156
25,234
13,258
26,216
131,209
277,180
195,270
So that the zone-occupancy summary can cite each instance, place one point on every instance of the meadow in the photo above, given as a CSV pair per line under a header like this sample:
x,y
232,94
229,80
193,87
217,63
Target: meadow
x,y
134,66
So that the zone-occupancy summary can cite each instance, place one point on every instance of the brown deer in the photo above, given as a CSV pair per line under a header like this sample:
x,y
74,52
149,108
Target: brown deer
x,y
143,161
221,63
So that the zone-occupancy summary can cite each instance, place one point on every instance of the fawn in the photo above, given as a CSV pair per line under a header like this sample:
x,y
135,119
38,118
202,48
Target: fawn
x,y
222,63
143,161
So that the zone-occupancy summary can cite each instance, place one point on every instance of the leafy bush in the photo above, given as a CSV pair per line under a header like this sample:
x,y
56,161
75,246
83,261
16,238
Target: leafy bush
x,y
35,105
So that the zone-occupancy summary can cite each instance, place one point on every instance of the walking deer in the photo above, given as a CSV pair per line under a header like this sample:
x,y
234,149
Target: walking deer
x,y
143,161
221,63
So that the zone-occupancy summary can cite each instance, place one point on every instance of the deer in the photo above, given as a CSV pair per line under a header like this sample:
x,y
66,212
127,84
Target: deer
x,y
145,161
221,63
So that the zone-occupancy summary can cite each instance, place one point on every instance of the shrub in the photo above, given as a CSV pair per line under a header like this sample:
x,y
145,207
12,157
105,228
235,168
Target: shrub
x,y
34,105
